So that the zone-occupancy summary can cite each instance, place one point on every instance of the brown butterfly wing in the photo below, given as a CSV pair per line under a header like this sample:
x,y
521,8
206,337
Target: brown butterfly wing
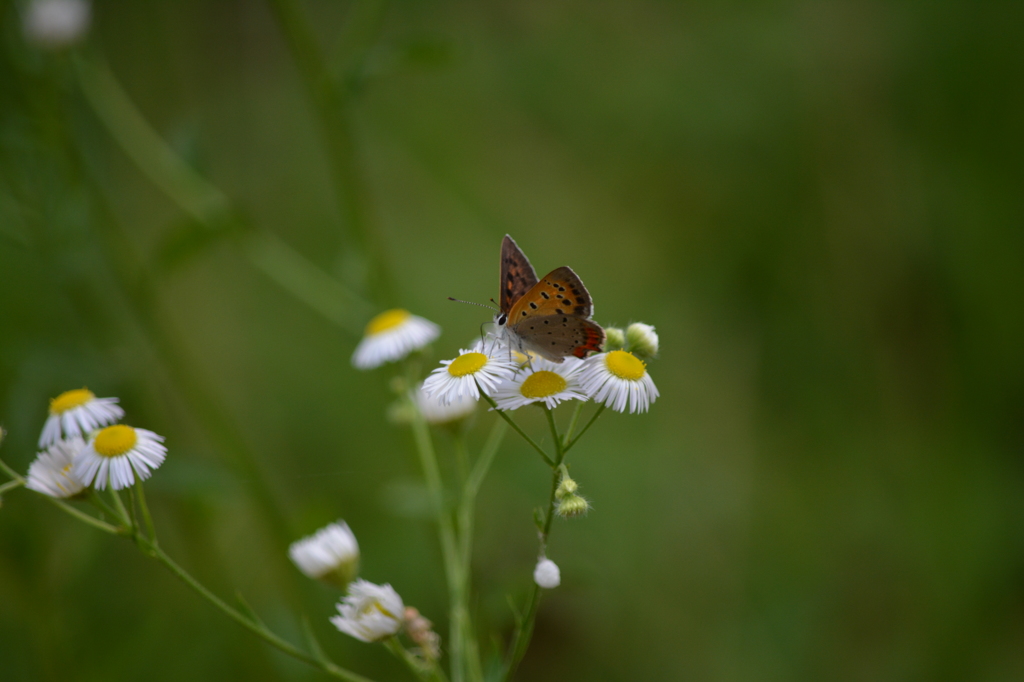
x,y
556,337
517,275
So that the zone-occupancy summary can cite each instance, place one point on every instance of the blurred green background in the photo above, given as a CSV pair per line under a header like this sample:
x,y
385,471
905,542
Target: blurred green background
x,y
819,205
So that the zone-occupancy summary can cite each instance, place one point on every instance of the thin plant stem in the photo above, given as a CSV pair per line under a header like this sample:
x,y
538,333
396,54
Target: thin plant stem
x,y
589,424
10,485
572,424
559,450
501,413
257,629
449,549
14,475
332,105
418,668
91,520
122,513
150,528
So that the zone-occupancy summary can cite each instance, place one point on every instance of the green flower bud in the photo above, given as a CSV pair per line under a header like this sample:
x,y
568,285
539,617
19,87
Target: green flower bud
x,y
614,339
642,340
571,506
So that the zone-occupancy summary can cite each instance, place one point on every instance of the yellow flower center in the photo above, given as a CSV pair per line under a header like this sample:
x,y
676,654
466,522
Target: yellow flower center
x,y
389,319
114,441
69,399
625,365
542,384
468,363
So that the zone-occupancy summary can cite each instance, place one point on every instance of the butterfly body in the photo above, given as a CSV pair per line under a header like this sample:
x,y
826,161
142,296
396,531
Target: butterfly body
x,y
548,316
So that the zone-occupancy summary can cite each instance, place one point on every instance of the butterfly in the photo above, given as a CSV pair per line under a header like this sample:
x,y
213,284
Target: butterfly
x,y
550,316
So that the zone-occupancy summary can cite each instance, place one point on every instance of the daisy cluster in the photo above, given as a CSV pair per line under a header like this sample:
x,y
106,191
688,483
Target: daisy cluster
x,y
616,378
82,446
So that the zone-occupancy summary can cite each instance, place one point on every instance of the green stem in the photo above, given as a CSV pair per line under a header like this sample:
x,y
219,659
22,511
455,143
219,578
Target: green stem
x,y
521,639
572,424
449,549
91,520
501,413
333,109
559,450
256,628
14,475
589,424
145,511
10,485
122,513
417,667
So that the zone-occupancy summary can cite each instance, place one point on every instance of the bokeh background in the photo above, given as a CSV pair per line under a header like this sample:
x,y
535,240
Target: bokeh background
x,y
818,204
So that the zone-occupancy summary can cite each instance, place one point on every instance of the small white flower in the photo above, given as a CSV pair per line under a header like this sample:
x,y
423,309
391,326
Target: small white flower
x,y
370,612
391,336
56,23
548,382
51,473
547,574
619,380
76,413
459,377
642,340
331,554
436,412
116,454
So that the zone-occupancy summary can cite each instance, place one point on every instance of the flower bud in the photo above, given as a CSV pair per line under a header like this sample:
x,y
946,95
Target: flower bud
x,y
642,340
566,488
614,339
546,574
331,555
571,506
370,612
420,631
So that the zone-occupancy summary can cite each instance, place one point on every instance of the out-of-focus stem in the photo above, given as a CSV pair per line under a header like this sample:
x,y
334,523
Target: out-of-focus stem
x,y
333,109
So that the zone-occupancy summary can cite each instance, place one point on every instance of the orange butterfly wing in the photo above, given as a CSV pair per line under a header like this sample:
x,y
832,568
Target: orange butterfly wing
x,y
551,318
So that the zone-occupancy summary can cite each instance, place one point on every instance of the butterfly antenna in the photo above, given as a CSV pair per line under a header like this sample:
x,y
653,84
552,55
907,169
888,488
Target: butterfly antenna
x,y
482,305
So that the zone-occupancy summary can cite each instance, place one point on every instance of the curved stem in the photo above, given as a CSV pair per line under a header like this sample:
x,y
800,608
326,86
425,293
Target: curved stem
x,y
449,548
256,628
589,424
508,419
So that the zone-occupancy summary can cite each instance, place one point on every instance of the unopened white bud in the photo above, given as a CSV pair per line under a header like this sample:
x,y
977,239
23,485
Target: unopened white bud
x,y
546,574
642,340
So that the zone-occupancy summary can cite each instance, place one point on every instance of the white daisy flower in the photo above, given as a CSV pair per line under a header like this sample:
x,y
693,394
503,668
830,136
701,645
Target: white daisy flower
x,y
56,23
436,412
331,554
546,574
549,383
619,380
76,413
391,336
370,612
116,454
459,377
51,473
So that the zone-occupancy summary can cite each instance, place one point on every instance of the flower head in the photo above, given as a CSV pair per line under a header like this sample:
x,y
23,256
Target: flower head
x,y
51,472
116,454
56,23
570,504
642,340
461,377
76,413
331,554
370,612
548,382
391,336
546,574
436,412
619,380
